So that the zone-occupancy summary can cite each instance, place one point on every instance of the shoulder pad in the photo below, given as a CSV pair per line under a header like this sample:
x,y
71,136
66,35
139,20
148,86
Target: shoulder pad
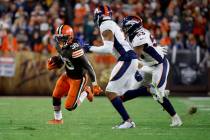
x,y
107,25
140,39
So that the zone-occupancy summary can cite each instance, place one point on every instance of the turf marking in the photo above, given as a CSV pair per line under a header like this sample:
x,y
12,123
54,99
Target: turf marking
x,y
202,107
199,98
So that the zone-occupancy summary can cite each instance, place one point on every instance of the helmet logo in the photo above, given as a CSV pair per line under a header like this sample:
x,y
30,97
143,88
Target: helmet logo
x,y
130,24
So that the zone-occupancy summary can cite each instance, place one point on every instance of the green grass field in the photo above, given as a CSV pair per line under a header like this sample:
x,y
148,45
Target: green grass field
x,y
25,119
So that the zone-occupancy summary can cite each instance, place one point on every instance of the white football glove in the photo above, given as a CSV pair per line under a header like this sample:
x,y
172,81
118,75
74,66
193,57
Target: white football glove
x,y
163,49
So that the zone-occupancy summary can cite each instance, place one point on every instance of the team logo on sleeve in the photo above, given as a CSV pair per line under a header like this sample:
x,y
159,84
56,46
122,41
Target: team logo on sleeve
x,y
77,53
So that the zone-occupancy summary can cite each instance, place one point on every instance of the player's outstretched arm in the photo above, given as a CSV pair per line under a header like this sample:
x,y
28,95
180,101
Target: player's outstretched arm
x,y
106,48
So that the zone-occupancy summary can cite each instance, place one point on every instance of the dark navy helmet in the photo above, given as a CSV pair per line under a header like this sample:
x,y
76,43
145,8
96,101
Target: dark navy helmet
x,y
102,12
130,24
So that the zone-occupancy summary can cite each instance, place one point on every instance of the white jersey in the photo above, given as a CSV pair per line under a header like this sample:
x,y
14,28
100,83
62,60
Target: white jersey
x,y
127,64
151,55
121,46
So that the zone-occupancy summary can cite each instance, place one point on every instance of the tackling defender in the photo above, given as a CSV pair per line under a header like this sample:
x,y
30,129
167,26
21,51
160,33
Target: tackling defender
x,y
127,64
145,46
73,81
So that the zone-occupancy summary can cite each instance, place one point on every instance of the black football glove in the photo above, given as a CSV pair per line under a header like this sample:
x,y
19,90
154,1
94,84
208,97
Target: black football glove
x,y
86,48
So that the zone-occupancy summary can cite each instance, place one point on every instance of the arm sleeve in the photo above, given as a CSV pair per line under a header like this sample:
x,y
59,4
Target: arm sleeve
x,y
86,64
108,45
106,48
153,53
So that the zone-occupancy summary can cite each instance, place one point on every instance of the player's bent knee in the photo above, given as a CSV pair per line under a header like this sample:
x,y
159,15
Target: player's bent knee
x,y
71,108
110,95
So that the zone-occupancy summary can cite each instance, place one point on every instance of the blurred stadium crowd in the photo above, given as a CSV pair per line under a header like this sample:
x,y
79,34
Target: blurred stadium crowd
x,y
30,24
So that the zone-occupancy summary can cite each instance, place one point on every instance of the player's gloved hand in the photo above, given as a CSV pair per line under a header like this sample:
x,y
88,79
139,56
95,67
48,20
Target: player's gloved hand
x,y
96,89
163,49
50,64
54,62
86,48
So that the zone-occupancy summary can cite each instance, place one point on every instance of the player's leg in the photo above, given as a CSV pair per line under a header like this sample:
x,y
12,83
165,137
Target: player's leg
x,y
132,94
76,88
138,85
160,79
87,93
118,105
117,83
60,90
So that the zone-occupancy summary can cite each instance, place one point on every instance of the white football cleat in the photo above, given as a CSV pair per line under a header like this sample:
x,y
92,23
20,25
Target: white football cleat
x,y
125,125
176,121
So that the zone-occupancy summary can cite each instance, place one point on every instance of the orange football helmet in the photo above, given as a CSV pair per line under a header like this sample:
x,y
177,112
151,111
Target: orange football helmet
x,y
64,35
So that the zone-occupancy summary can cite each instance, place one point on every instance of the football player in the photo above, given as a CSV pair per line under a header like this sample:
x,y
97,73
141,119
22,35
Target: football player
x,y
145,46
127,63
73,81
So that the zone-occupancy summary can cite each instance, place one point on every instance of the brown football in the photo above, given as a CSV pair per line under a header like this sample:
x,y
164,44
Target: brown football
x,y
192,110
55,62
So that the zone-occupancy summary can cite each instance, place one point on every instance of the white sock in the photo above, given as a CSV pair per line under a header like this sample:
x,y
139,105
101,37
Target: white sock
x,y
58,115
175,116
82,96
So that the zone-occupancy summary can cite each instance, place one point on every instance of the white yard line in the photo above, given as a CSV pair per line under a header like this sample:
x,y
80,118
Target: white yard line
x,y
202,107
157,134
199,98
186,101
205,109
